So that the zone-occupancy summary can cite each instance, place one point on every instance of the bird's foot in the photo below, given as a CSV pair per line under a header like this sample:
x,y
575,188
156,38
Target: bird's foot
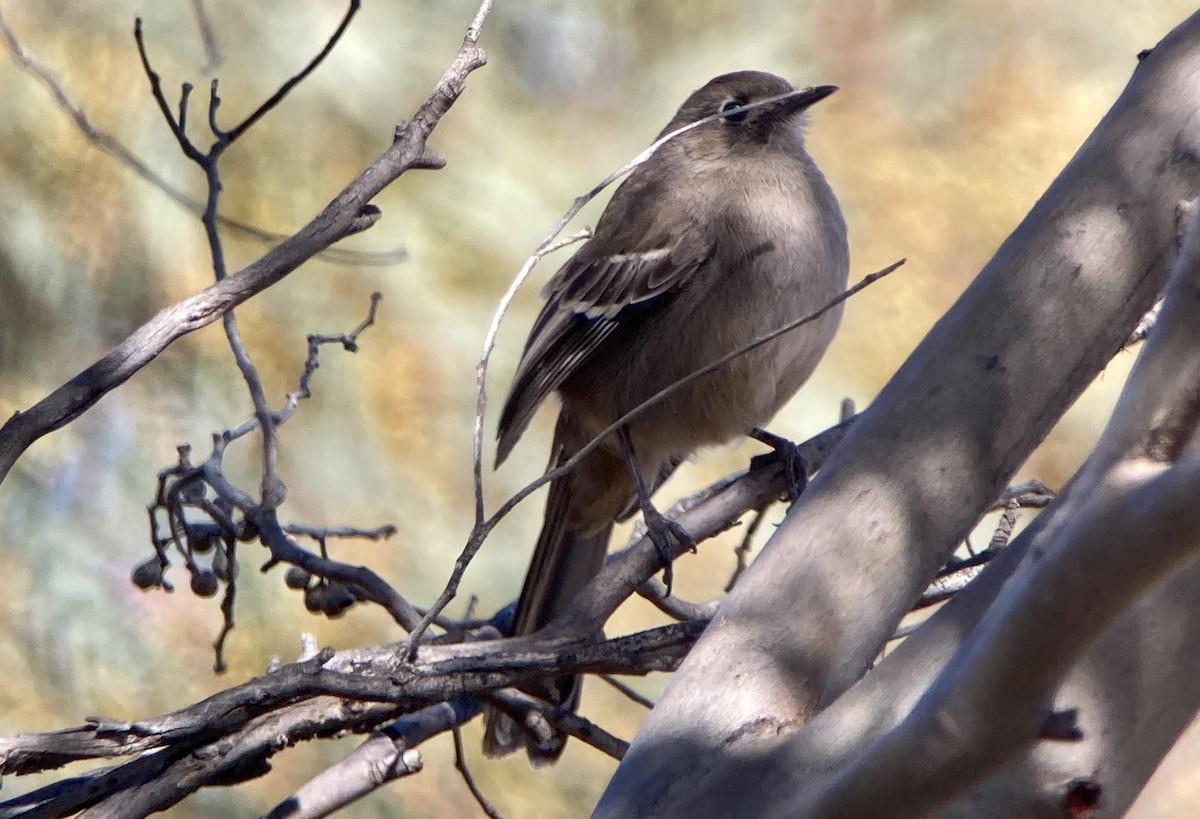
x,y
795,469
663,531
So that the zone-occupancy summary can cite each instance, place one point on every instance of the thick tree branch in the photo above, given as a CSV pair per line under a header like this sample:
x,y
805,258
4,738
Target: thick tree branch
x,y
1134,520
993,699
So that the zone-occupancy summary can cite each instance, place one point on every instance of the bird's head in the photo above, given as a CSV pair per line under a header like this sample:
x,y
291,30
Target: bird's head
x,y
777,119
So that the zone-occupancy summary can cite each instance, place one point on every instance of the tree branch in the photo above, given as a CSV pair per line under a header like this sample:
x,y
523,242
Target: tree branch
x,y
341,217
230,736
1135,521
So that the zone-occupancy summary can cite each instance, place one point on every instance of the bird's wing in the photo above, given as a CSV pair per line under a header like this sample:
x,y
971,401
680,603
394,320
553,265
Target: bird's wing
x,y
595,298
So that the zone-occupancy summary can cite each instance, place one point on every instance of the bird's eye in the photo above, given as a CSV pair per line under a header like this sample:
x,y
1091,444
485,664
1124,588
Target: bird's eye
x,y
730,105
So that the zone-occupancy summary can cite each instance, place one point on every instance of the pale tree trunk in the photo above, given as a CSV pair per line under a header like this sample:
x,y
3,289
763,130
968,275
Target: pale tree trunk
x,y
765,718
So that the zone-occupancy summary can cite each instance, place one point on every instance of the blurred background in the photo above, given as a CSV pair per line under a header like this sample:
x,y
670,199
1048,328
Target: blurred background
x,y
952,120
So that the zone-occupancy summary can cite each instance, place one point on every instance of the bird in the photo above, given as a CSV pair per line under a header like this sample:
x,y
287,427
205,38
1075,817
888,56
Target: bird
x,y
726,232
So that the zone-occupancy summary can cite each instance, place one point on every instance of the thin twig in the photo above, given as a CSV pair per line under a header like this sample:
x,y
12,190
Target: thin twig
x,y
1144,326
460,764
378,533
948,584
349,343
1004,528
273,489
627,691
370,586
365,584
285,89
742,552
655,592
543,720
112,146
227,601
207,36
489,344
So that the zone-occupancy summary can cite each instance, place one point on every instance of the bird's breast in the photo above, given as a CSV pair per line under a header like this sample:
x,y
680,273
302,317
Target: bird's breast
x,y
778,254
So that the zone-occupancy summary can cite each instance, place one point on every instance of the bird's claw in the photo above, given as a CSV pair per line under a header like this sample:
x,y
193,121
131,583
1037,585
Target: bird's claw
x,y
662,531
787,453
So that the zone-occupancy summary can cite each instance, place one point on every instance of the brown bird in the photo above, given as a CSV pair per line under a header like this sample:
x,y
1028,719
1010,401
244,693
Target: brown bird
x,y
727,232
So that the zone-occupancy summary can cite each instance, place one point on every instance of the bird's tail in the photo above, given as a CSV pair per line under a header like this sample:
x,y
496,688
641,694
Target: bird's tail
x,y
564,561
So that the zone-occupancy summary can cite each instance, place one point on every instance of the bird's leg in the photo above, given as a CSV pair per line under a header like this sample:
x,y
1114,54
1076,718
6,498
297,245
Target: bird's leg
x,y
795,470
660,528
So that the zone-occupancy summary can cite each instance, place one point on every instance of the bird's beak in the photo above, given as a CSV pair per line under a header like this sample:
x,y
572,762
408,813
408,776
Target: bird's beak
x,y
802,99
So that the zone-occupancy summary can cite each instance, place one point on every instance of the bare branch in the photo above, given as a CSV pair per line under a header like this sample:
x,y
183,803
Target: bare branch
x,y
207,36
230,735
655,592
110,145
627,691
386,755
526,710
287,87
337,220
742,552
460,764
